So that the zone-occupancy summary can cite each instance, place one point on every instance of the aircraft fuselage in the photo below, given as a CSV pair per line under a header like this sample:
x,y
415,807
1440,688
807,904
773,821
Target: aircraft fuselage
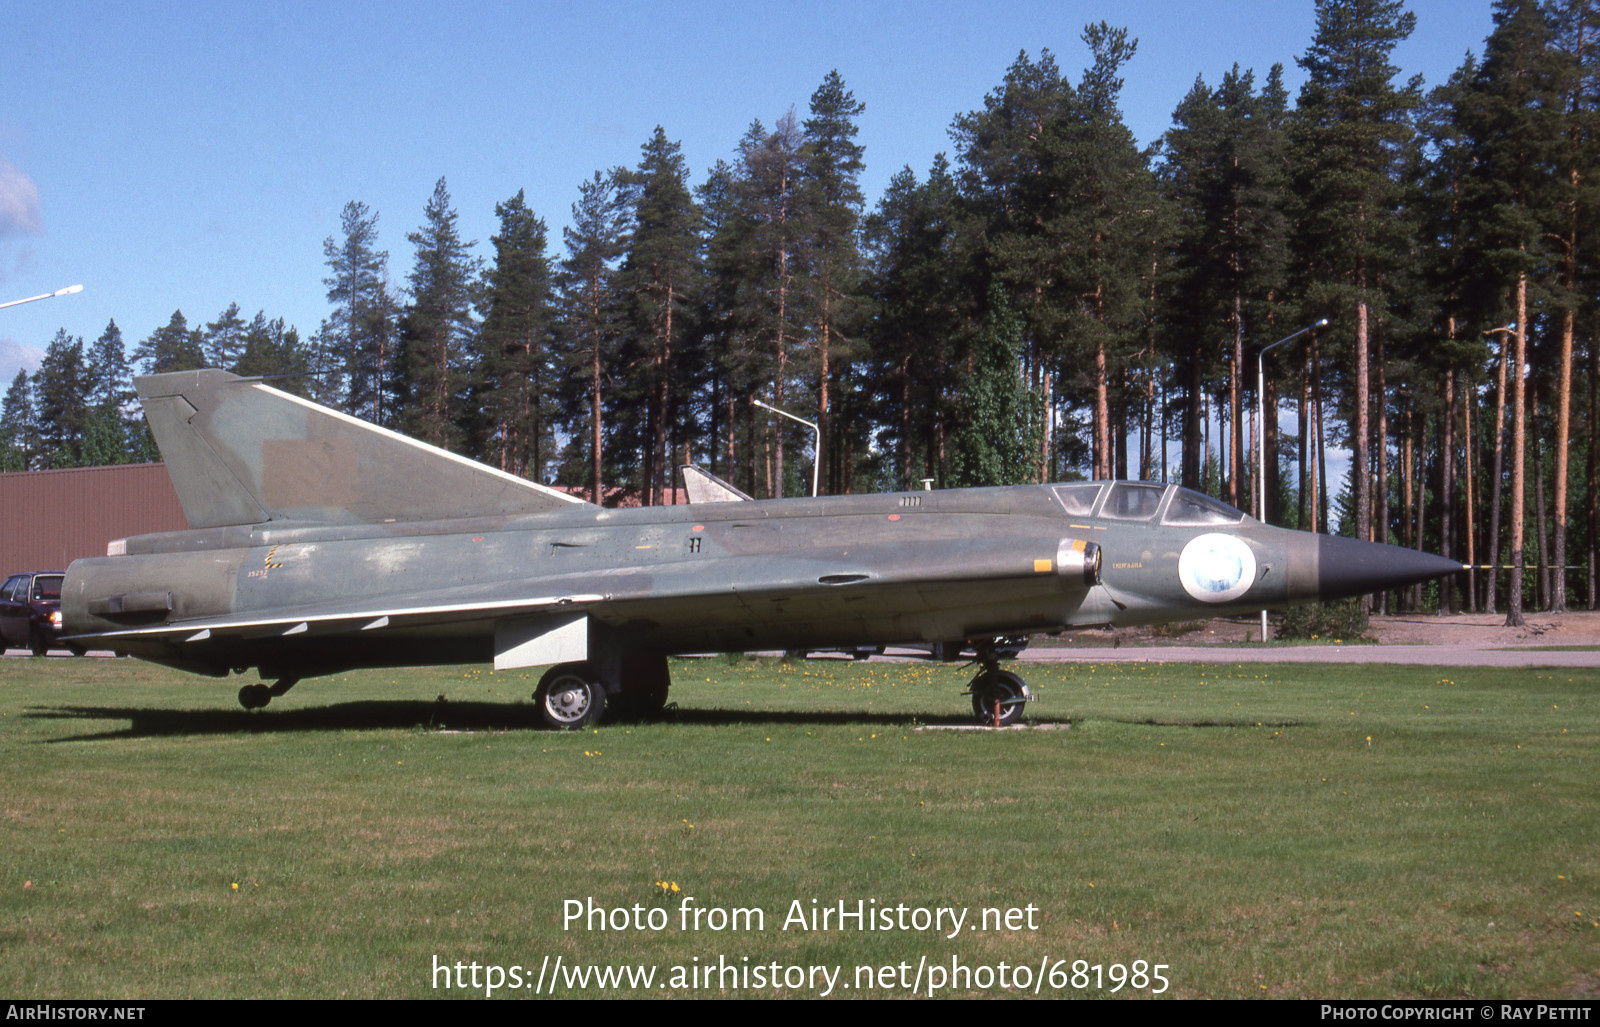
x,y
777,574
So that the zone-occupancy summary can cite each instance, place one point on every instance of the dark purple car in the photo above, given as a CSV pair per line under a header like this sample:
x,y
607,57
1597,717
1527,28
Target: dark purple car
x,y
30,612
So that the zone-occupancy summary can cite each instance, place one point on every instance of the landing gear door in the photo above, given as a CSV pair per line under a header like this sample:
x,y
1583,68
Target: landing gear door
x,y
536,641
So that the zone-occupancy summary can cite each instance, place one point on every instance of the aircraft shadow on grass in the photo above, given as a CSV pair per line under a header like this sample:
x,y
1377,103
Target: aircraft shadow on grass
x,y
379,715
446,716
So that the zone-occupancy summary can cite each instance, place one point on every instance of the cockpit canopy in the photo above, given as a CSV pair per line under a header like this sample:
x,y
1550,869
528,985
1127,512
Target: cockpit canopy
x,y
1145,501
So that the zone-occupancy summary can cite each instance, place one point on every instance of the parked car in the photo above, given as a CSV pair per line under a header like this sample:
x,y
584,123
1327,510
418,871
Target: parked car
x,y
30,612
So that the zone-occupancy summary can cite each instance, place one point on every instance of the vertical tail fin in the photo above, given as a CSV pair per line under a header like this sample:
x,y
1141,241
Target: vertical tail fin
x,y
241,452
705,487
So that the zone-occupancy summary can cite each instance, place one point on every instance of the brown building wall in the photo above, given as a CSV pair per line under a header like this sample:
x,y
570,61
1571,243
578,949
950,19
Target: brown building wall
x,y
50,518
612,497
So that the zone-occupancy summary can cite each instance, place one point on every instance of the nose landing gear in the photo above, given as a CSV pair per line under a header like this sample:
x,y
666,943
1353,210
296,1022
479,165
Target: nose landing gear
x,y
998,696
255,697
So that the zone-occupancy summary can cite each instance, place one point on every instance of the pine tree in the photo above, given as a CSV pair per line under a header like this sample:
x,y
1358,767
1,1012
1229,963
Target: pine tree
x,y
437,326
589,308
1069,214
18,429
1020,203
660,278
106,437
833,165
1221,170
1120,224
1512,115
61,402
272,351
1350,132
1191,166
735,319
172,347
918,325
356,345
515,348
1460,302
110,381
224,339
726,346
764,244
1575,26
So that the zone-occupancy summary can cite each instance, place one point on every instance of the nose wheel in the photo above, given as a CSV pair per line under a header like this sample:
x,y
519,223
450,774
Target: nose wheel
x,y
998,696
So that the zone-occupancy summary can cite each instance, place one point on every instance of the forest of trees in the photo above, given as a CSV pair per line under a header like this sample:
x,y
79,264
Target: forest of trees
x,y
1048,301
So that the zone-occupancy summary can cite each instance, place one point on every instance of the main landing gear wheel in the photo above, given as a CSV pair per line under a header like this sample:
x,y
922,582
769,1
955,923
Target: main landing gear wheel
x,y
256,697
998,697
570,696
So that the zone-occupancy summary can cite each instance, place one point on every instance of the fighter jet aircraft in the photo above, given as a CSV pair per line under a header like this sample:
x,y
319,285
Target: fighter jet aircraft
x,y
319,543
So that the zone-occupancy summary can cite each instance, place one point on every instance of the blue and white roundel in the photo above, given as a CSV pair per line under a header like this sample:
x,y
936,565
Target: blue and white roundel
x,y
1217,568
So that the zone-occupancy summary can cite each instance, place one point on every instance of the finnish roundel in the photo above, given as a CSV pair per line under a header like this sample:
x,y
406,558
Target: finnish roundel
x,y
1216,568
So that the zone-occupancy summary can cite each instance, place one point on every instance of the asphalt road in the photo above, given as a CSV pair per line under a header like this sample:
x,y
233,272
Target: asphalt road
x,y
1430,655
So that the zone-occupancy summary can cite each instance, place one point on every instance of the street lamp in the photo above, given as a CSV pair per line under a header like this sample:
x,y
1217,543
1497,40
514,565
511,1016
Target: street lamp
x,y
816,451
69,290
1261,430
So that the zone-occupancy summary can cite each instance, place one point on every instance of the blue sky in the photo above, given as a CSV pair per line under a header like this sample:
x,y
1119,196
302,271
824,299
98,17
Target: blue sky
x,y
188,156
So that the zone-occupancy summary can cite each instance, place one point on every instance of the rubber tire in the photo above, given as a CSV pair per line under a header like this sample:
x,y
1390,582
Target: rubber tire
x,y
570,697
1001,685
255,697
37,644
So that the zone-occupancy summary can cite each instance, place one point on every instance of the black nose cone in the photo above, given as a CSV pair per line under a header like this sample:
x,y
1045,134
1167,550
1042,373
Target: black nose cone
x,y
1351,567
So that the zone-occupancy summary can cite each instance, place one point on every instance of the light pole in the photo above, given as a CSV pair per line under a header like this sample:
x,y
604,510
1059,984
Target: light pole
x,y
816,446
69,290
1261,430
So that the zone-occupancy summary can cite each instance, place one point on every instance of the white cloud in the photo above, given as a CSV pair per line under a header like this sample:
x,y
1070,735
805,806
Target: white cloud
x,y
16,357
19,202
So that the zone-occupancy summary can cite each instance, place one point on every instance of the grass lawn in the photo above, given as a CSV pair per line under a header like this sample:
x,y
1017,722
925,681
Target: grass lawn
x,y
1261,830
